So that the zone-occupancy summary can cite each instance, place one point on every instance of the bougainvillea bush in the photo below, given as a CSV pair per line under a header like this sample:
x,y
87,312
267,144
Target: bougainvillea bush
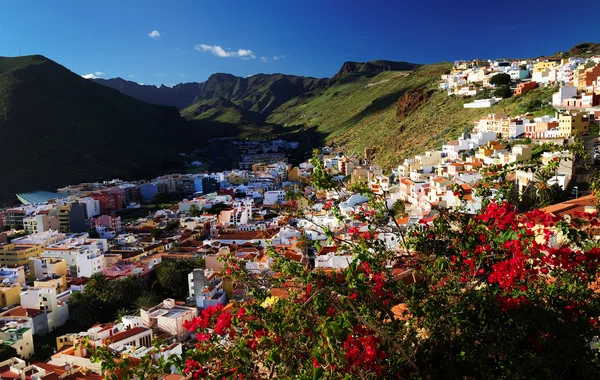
x,y
500,294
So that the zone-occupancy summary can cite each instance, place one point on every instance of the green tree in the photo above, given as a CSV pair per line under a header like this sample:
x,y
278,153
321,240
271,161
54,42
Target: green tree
x,y
99,286
156,233
7,352
194,211
500,79
172,275
85,309
146,301
503,91
123,313
172,225
124,292
93,233
398,209
160,198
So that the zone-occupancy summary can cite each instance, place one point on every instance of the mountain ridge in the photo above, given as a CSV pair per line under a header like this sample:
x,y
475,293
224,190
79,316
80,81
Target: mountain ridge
x,y
61,129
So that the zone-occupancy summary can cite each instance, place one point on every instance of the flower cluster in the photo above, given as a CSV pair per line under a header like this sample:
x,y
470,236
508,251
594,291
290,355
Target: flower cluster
x,y
363,351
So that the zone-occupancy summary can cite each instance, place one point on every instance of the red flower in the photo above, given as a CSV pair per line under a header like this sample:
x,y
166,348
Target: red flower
x,y
331,311
241,312
315,363
202,337
352,296
309,288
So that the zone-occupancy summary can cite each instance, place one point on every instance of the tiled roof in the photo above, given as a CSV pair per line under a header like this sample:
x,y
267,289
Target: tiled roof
x,y
127,334
571,206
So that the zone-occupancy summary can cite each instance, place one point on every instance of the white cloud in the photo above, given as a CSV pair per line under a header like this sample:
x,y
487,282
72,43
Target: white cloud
x,y
131,76
271,59
161,74
154,34
95,75
226,53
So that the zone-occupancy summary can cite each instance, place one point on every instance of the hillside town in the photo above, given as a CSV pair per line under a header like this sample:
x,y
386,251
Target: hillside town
x,y
56,244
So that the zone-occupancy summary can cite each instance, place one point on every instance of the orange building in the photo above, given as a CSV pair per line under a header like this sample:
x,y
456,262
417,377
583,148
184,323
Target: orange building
x,y
587,77
525,87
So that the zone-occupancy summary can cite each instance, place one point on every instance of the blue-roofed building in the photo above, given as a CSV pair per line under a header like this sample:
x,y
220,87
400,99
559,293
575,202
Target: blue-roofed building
x,y
38,197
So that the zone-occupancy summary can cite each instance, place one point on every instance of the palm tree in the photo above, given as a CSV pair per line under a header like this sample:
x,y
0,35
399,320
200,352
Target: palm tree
x,y
125,291
146,301
545,193
99,286
122,313
84,309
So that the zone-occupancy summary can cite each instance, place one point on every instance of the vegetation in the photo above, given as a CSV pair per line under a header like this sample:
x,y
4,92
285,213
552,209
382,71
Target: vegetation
x,y
7,352
503,91
500,79
105,298
71,117
399,209
172,277
363,113
488,296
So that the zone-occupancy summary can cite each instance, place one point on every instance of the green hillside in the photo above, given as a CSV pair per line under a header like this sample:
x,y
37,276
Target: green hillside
x,y
364,113
57,128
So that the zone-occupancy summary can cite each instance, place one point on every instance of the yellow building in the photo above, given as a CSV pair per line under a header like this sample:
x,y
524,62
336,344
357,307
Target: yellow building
x,y
63,217
294,174
541,66
46,267
58,282
489,149
10,295
573,123
112,258
12,255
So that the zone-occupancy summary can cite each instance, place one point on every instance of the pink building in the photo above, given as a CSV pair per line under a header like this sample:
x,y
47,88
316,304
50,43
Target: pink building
x,y
108,221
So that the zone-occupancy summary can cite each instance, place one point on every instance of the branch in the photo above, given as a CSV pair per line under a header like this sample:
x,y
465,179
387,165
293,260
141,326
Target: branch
x,y
386,336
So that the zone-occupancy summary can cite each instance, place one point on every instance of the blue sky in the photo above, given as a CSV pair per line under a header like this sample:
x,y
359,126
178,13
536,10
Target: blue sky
x,y
195,38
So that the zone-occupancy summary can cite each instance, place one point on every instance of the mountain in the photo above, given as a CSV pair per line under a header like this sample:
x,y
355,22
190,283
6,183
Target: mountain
x,y
354,70
584,49
260,93
57,128
180,96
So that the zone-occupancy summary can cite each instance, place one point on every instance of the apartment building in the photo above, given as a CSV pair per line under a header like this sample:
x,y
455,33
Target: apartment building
x,y
12,255
49,301
168,317
573,123
17,332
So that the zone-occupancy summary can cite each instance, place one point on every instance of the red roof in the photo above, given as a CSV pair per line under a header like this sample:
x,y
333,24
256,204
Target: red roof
x,y
326,250
128,334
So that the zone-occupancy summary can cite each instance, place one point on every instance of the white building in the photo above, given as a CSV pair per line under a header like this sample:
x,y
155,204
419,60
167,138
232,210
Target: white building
x,y
45,238
40,223
92,206
47,300
482,103
17,332
274,197
169,317
84,256
205,288
563,93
